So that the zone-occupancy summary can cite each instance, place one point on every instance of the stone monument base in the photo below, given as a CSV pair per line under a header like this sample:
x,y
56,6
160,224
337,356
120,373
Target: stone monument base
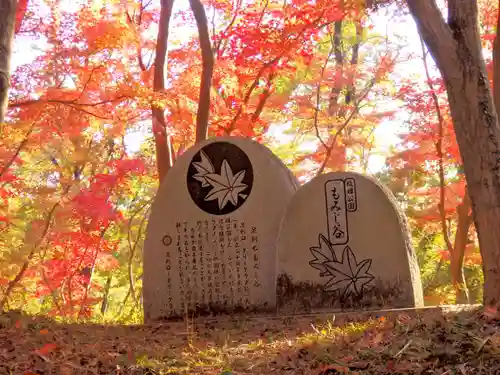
x,y
317,315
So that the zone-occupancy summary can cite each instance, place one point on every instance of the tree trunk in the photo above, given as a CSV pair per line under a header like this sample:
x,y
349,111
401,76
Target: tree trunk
x,y
207,57
457,255
496,64
456,48
163,141
7,24
333,104
457,251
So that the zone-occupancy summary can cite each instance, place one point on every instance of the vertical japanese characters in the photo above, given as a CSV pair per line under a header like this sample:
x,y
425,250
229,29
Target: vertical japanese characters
x,y
212,235
336,212
224,277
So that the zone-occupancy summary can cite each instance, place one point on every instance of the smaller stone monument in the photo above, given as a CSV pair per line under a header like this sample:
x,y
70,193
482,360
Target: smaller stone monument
x,y
212,235
344,244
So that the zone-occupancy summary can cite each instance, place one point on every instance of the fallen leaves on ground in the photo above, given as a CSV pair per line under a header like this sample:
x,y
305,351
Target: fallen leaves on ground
x,y
426,342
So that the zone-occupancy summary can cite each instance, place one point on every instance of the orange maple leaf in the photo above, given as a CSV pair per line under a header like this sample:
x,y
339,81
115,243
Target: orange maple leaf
x,y
46,349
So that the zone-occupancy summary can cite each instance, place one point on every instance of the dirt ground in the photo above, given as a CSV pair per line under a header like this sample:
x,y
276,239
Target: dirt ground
x,y
432,341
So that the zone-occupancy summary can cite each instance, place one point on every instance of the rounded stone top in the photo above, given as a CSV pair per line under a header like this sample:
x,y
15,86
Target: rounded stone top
x,y
212,235
344,235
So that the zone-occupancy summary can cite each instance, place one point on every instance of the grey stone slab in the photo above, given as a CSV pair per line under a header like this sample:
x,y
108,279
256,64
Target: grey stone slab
x,y
345,244
212,235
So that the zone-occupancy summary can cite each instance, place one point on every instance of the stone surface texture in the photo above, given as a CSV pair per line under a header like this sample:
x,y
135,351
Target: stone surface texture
x,y
238,189
345,244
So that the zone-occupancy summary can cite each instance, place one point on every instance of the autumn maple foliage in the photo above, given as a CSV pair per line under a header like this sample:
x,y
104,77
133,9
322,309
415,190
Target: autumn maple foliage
x,y
456,46
96,119
430,163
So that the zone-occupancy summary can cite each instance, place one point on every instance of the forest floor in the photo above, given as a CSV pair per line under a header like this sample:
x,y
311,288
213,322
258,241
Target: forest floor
x,y
420,342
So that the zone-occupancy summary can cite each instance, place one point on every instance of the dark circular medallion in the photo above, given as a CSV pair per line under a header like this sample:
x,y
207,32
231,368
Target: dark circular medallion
x,y
220,178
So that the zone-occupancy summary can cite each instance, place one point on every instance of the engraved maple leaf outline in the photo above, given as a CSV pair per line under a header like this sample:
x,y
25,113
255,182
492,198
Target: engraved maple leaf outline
x,y
226,186
323,253
203,168
347,276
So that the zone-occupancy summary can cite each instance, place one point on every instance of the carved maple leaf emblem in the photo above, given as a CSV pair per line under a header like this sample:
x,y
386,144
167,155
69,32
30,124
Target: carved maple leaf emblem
x,y
226,186
349,276
203,168
323,253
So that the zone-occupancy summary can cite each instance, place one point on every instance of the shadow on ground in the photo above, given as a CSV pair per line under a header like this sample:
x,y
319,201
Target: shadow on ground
x,y
422,342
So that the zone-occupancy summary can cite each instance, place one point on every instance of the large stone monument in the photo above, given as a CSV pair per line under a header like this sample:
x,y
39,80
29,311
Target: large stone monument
x,y
212,235
344,244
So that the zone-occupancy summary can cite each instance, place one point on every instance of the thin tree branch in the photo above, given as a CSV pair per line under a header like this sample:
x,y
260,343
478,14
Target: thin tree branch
x,y
107,287
263,99
339,68
219,48
464,221
439,150
351,88
133,247
347,121
18,151
73,102
263,69
318,95
13,283
132,254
